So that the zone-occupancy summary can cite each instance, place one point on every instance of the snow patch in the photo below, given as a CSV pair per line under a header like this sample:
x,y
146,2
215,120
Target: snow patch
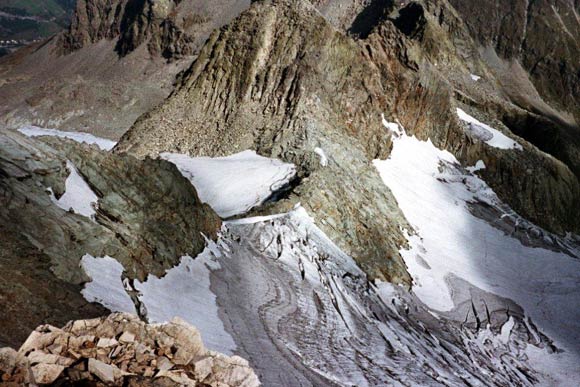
x,y
477,167
323,158
487,134
103,143
234,184
392,126
185,292
78,195
106,286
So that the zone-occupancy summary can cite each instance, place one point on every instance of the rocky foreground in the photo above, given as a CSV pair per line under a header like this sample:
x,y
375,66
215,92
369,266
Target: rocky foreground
x,y
121,350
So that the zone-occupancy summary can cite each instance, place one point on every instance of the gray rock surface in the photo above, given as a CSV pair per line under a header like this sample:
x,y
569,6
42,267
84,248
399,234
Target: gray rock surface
x,y
148,217
297,83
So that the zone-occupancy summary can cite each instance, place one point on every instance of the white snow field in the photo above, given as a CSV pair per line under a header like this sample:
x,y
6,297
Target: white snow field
x,y
486,133
34,131
78,195
106,286
184,291
433,191
234,184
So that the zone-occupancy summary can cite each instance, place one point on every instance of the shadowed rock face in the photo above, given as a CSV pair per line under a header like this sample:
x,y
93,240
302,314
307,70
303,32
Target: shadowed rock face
x,y
542,35
148,216
532,48
170,28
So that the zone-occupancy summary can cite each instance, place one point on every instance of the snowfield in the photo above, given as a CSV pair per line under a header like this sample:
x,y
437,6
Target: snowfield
x,y
106,286
487,134
103,143
234,184
185,292
435,193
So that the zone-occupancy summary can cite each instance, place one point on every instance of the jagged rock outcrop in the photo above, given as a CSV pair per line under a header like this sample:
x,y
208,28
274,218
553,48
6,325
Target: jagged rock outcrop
x,y
147,216
294,84
297,83
170,28
117,60
121,350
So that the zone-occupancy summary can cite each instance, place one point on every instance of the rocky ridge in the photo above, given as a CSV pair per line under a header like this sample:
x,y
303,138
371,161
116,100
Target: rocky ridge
x,y
121,350
169,28
147,216
297,83
117,60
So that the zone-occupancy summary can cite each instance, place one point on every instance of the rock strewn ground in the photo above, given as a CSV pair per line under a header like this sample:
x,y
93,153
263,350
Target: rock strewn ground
x,y
121,350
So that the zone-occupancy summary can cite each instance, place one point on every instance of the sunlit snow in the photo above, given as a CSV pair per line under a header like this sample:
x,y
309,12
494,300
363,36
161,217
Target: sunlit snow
x,y
322,155
106,286
433,192
185,292
34,131
78,195
486,133
234,184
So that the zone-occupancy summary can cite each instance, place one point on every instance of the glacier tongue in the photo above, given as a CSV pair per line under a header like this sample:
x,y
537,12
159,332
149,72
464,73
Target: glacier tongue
x,y
303,313
277,291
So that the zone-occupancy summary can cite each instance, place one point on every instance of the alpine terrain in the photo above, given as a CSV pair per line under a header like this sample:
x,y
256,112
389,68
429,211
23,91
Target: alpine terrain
x,y
293,193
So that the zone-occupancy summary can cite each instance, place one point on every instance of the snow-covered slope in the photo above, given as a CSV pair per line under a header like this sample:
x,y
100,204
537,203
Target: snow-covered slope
x,y
234,184
487,134
78,196
440,199
35,131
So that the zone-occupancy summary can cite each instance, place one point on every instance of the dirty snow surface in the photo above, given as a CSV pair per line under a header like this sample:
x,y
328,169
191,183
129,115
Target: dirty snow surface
x,y
78,196
234,184
103,143
486,133
437,197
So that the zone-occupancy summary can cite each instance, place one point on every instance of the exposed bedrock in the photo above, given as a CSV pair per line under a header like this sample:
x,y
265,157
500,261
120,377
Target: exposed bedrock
x,y
296,83
146,215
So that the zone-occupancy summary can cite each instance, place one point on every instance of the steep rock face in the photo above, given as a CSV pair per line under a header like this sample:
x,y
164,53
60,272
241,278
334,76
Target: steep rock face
x,y
169,27
293,85
147,217
538,74
296,83
519,29
121,350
